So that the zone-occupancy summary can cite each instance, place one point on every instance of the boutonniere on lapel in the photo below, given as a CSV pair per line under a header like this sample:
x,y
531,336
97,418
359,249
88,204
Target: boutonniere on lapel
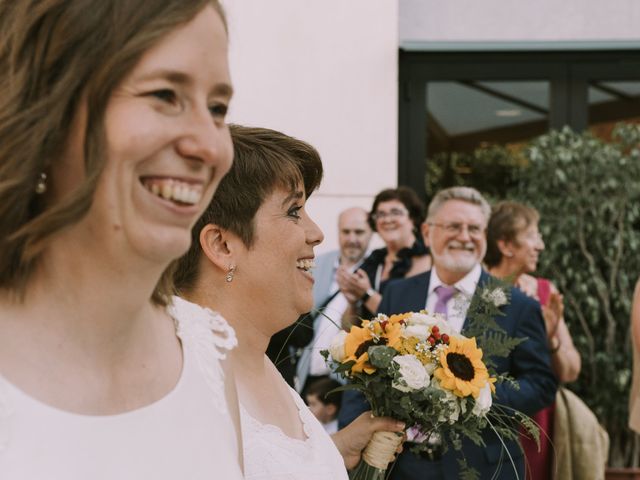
x,y
486,306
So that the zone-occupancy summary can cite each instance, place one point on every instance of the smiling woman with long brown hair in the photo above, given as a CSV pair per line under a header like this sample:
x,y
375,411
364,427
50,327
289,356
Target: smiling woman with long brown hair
x,y
112,142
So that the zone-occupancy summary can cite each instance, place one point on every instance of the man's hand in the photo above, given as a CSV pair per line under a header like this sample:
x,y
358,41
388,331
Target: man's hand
x,y
353,285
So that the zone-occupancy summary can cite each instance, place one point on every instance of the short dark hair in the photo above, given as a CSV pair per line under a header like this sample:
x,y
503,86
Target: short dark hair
x,y
263,160
322,388
507,220
404,195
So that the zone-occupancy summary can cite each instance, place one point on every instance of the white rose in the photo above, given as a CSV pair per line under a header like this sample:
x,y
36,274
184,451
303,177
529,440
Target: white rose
x,y
419,331
496,296
413,375
483,402
336,349
422,319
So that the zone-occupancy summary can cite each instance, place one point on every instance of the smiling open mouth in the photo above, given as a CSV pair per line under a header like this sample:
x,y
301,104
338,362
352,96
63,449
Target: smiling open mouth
x,y
176,191
306,264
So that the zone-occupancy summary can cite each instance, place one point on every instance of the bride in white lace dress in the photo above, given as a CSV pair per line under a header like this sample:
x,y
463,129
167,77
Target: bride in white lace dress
x,y
112,142
251,260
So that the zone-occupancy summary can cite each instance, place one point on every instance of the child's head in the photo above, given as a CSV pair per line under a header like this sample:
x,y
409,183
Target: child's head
x,y
324,407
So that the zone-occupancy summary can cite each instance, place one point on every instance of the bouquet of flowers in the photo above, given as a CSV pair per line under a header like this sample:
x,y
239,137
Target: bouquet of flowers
x,y
415,368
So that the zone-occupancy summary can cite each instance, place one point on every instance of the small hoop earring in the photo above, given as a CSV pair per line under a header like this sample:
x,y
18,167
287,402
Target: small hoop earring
x,y
41,184
230,273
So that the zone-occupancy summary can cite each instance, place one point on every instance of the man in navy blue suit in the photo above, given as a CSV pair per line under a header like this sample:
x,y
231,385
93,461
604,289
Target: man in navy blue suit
x,y
455,232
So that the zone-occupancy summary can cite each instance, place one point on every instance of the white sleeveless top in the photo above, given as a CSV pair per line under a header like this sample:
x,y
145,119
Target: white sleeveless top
x,y
269,454
185,435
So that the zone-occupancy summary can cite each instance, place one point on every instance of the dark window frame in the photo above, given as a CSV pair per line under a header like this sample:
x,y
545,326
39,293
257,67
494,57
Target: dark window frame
x,y
568,74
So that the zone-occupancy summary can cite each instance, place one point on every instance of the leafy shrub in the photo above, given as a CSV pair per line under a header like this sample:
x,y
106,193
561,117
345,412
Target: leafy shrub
x,y
588,194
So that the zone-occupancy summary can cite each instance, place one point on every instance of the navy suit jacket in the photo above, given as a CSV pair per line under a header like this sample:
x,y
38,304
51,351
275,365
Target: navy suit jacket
x,y
529,364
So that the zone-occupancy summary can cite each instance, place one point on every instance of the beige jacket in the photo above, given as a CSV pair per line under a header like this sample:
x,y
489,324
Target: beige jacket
x,y
581,444
634,397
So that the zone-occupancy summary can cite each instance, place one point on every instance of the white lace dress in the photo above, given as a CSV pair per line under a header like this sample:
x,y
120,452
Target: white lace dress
x,y
185,435
269,454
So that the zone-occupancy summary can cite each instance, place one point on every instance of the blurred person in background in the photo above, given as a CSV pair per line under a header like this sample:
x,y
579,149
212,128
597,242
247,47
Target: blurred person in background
x,y
455,233
396,215
324,403
514,244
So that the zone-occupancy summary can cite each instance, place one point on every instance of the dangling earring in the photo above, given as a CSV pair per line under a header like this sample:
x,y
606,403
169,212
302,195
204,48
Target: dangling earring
x,y
41,184
509,254
230,273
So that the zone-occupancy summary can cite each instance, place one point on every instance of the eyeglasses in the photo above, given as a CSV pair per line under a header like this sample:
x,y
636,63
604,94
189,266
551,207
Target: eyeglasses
x,y
455,228
393,213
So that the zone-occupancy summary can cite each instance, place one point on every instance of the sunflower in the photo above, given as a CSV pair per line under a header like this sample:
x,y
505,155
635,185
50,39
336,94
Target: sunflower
x,y
462,371
359,339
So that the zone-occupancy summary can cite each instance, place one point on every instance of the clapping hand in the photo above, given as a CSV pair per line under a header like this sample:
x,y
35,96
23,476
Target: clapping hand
x,y
353,285
553,313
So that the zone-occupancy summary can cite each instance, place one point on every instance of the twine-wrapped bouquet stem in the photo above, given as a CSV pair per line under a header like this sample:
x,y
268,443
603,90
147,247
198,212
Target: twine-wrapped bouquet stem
x,y
379,452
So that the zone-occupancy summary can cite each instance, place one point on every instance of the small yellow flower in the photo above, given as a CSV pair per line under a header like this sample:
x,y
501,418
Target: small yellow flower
x,y
463,372
409,347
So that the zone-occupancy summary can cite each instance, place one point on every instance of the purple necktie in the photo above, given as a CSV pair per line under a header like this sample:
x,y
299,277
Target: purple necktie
x,y
444,294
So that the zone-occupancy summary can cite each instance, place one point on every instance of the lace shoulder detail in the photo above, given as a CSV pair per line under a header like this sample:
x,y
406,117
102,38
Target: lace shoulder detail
x,y
270,454
208,337
193,320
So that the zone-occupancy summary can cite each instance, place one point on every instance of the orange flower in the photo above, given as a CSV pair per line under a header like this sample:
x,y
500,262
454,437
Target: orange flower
x,y
374,332
356,344
393,334
463,372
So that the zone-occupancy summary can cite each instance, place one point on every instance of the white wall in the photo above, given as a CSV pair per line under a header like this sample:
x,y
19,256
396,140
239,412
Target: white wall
x,y
519,20
325,72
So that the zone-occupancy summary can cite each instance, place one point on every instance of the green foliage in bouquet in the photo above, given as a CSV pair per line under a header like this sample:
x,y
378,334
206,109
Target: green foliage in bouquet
x,y
414,367
484,308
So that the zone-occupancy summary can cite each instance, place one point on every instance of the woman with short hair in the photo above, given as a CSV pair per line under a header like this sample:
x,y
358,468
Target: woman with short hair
x,y
251,260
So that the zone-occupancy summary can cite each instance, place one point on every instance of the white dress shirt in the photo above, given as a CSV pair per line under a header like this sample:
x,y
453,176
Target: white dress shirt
x,y
327,328
458,304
